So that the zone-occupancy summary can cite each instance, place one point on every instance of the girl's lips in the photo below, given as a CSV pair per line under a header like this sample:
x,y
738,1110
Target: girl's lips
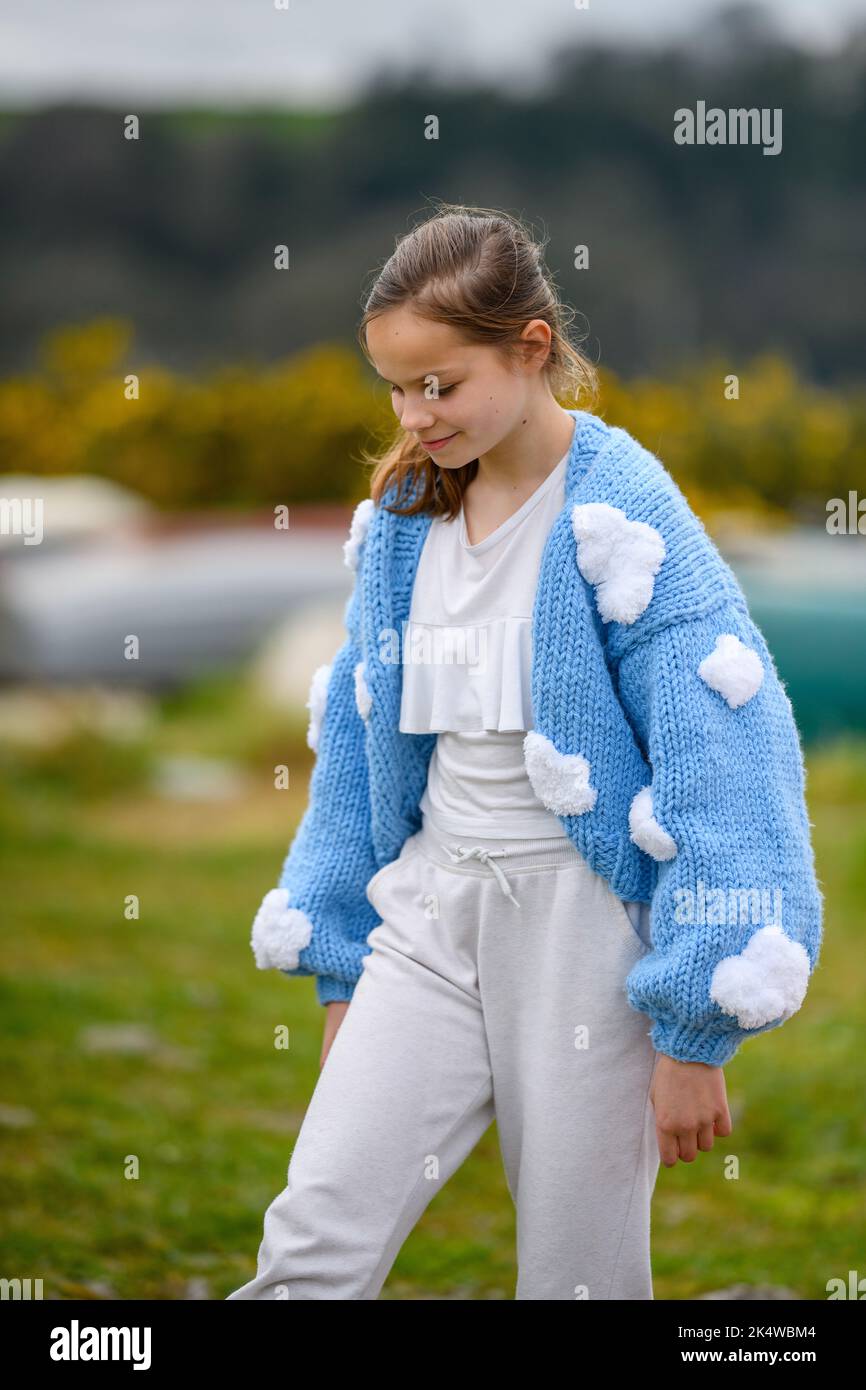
x,y
439,443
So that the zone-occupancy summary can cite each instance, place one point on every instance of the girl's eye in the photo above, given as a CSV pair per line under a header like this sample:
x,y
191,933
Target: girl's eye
x,y
443,390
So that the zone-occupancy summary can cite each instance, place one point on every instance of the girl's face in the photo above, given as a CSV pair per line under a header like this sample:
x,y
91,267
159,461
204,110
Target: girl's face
x,y
479,401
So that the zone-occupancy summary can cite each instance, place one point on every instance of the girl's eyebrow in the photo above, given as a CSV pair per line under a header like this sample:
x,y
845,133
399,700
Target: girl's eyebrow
x,y
443,371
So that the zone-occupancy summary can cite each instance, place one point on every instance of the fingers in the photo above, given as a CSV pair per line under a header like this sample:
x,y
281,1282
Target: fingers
x,y
668,1152
705,1137
688,1146
683,1145
692,1111
673,1147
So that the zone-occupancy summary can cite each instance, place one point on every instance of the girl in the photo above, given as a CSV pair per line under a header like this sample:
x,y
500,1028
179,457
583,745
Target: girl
x,y
558,797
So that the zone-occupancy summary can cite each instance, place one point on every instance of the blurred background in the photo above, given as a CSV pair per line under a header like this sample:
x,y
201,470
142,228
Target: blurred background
x,y
164,388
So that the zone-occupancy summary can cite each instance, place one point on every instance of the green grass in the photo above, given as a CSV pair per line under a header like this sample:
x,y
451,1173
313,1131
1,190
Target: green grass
x,y
131,1175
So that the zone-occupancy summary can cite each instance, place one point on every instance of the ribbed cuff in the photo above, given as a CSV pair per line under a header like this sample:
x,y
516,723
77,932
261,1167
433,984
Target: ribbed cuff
x,y
707,1044
329,989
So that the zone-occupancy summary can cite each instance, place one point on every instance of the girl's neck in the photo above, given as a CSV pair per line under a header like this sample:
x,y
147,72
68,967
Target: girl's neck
x,y
521,462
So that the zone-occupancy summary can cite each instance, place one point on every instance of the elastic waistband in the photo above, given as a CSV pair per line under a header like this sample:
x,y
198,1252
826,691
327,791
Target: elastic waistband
x,y
510,854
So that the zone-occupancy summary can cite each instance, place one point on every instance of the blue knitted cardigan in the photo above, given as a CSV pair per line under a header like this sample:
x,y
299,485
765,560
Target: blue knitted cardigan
x,y
663,740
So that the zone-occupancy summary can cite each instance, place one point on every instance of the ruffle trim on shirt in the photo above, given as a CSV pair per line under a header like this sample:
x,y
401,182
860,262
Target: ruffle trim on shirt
x,y
467,678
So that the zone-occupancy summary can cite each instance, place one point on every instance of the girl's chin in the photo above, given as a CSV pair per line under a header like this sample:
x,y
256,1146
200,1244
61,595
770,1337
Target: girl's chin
x,y
450,466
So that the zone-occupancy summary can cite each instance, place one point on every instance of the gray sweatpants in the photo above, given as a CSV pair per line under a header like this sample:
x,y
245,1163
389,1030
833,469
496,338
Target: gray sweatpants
x,y
494,989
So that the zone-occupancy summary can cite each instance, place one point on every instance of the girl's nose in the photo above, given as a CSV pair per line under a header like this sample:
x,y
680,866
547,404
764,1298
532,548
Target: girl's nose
x,y
417,416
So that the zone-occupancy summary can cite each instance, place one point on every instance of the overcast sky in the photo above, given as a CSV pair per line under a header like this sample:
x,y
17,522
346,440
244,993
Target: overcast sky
x,y
317,52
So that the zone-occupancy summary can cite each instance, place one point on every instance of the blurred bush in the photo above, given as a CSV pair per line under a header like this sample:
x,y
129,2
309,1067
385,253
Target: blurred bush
x,y
293,432
783,445
81,766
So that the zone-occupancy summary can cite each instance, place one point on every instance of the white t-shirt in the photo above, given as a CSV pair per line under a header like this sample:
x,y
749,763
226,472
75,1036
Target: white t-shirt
x,y
467,666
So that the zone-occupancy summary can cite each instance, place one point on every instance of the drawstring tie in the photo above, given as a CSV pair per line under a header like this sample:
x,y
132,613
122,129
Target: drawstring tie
x,y
484,856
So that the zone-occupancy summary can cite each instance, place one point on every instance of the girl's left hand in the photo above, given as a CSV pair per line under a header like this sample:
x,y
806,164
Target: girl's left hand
x,y
691,1108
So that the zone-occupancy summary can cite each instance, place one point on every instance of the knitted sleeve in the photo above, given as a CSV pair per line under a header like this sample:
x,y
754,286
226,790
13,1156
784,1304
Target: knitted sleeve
x,y
736,912
316,921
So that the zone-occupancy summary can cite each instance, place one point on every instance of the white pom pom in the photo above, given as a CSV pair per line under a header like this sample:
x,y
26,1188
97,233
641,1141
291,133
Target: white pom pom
x,y
316,702
645,830
363,698
620,557
559,780
360,525
733,669
279,932
767,981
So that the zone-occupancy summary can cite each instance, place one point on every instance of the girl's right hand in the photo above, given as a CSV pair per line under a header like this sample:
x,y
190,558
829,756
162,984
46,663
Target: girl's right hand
x,y
335,1012
690,1101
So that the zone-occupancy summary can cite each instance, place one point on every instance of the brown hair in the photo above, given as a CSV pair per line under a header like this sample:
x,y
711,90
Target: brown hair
x,y
481,272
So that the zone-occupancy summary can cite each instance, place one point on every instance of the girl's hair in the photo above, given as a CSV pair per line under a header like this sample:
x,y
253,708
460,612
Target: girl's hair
x,y
481,272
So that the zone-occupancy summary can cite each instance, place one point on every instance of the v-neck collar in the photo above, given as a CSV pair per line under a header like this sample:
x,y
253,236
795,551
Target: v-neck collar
x,y
502,530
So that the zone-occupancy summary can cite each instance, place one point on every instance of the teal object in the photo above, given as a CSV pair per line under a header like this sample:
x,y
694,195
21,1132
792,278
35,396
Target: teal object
x,y
806,591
